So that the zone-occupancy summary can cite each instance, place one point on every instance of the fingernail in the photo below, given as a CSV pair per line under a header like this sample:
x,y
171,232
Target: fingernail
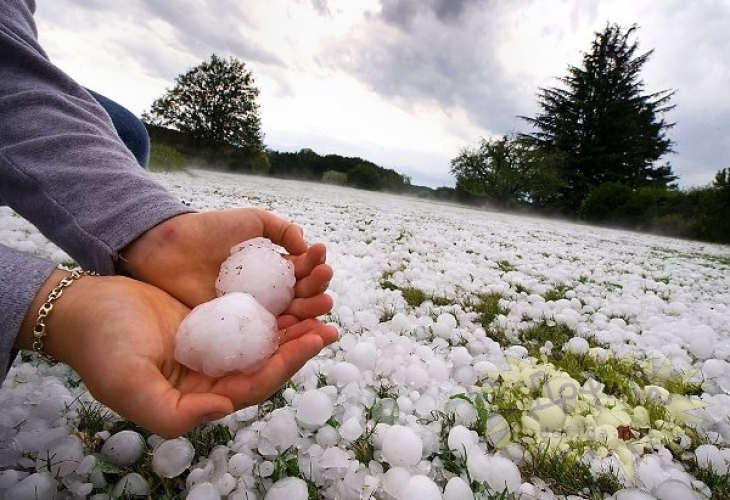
x,y
214,416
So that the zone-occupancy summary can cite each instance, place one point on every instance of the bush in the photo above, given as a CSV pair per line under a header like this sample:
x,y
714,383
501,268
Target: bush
x,y
334,177
606,203
164,158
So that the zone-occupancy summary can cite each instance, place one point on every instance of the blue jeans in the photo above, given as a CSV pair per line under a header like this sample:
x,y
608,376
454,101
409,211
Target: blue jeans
x,y
130,129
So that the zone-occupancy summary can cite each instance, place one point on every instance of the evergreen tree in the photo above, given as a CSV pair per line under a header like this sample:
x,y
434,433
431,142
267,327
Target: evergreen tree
x,y
602,123
215,102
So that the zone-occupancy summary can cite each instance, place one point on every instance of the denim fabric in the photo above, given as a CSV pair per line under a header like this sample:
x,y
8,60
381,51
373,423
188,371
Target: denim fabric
x,y
131,131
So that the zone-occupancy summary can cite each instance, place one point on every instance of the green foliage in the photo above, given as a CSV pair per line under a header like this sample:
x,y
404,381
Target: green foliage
x,y
604,125
164,158
507,172
352,171
215,102
488,308
566,474
537,335
605,202
334,177
205,437
364,176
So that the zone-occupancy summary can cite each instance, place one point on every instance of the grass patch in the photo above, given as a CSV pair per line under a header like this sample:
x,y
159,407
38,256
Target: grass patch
x,y
536,336
566,474
505,266
413,296
164,158
287,465
719,484
488,308
556,293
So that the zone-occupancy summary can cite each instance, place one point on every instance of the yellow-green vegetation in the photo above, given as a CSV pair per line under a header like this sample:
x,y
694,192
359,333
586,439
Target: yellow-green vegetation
x,y
164,158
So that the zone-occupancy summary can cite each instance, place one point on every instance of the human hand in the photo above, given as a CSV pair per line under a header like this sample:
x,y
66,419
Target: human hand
x,y
118,334
183,255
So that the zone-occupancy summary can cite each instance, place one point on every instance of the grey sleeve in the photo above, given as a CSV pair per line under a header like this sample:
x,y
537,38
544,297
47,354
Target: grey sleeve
x,y
22,275
62,165
63,168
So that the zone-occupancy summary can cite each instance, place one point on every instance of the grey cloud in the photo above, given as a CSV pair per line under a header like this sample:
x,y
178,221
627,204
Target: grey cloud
x,y
404,12
203,28
454,68
321,7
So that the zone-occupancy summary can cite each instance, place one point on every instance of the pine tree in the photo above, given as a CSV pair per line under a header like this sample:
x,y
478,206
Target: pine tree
x,y
602,123
215,102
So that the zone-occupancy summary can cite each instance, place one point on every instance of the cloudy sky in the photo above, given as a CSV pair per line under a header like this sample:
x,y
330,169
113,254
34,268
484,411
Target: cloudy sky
x,y
404,83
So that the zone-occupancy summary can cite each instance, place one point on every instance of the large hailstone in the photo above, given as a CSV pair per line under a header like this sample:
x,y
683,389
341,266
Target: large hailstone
x,y
256,267
233,333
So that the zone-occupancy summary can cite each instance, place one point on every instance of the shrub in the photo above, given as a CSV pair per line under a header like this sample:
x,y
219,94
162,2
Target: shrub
x,y
334,177
164,158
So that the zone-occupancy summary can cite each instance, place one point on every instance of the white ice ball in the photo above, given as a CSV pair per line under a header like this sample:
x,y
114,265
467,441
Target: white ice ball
x,y
402,447
173,457
233,333
256,267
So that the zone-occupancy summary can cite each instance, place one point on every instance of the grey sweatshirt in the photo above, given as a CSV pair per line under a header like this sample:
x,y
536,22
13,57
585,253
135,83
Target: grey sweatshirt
x,y
64,169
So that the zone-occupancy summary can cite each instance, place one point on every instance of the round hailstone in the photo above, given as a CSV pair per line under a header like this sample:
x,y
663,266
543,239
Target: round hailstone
x,y
123,448
421,487
233,333
289,488
40,485
256,267
204,491
460,440
458,489
172,457
402,446
131,485
66,454
314,408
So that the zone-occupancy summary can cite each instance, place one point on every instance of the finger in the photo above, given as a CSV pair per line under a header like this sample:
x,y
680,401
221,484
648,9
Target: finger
x,y
247,390
310,307
283,233
315,283
305,263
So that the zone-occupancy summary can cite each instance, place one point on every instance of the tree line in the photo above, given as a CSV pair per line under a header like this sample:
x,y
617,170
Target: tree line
x,y
594,152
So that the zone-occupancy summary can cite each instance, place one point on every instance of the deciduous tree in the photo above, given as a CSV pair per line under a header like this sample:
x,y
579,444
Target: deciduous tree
x,y
215,102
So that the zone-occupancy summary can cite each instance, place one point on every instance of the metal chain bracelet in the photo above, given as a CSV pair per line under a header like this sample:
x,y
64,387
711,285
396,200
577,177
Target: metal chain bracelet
x,y
39,329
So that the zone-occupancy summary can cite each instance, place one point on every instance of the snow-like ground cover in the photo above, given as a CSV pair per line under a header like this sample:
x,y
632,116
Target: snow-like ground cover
x,y
482,356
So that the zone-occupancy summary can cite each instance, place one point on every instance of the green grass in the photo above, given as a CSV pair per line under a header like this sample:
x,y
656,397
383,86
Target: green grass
x,y
566,474
556,293
164,158
413,296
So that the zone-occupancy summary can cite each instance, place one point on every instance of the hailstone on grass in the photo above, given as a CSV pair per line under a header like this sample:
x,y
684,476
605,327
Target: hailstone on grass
x,y
256,267
233,333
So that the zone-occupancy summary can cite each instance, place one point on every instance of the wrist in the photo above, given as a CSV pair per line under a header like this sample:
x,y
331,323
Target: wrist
x,y
46,327
148,245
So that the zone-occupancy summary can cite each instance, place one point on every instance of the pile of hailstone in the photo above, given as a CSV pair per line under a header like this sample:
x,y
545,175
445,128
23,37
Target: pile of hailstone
x,y
237,331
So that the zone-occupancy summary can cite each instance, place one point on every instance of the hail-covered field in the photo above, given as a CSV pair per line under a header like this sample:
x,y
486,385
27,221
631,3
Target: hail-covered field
x,y
482,355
